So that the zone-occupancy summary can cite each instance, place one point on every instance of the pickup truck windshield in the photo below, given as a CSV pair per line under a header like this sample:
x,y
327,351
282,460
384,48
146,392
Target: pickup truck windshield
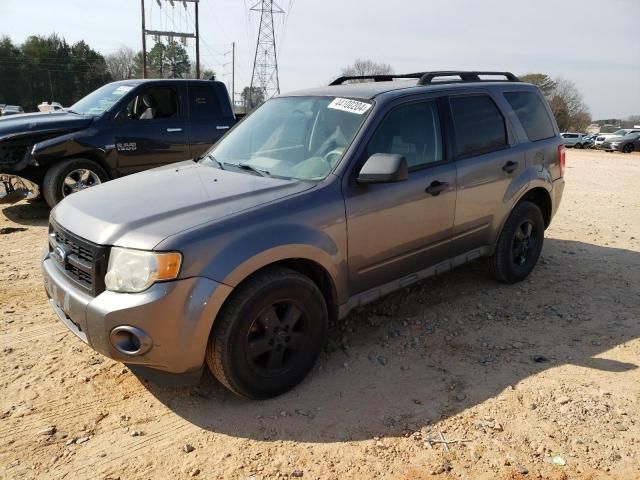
x,y
98,102
292,137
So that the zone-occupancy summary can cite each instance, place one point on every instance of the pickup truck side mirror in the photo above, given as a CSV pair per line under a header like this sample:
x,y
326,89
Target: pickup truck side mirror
x,y
384,168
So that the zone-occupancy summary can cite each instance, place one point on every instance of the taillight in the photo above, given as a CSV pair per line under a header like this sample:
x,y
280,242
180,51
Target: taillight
x,y
562,157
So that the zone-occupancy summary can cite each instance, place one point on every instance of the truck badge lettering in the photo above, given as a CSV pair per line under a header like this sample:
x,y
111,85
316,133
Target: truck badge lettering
x,y
126,147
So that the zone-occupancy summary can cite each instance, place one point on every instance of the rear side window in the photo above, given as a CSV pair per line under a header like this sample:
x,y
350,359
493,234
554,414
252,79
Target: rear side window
x,y
532,114
203,103
478,124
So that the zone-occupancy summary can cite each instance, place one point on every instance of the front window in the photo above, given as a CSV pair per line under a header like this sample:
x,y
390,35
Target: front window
x,y
98,102
292,137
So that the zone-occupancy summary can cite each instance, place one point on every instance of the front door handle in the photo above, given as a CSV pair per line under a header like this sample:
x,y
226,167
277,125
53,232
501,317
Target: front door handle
x,y
510,166
171,130
436,187
222,127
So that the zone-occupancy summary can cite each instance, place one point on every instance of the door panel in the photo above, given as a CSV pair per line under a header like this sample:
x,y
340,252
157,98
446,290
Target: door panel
x,y
486,165
153,131
397,229
207,119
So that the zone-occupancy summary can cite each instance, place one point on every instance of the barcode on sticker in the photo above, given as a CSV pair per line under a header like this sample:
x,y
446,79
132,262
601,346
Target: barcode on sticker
x,y
348,105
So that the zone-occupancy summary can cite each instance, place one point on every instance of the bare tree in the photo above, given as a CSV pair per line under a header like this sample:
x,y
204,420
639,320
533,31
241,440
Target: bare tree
x,y
367,67
122,64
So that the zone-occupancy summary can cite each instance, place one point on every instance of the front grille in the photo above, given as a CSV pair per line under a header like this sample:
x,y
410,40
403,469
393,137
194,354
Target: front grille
x,y
82,261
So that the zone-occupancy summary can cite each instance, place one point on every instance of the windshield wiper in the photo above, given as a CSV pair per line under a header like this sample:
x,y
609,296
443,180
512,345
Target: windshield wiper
x,y
220,164
246,166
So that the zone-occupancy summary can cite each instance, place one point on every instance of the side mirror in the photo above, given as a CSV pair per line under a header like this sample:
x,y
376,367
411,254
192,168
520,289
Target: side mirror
x,y
384,168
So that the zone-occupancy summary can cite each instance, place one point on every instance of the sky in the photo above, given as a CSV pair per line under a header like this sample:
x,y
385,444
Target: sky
x,y
594,43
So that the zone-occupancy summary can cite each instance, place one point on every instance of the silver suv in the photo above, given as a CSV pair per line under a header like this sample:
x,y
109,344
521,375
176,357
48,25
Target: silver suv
x,y
319,202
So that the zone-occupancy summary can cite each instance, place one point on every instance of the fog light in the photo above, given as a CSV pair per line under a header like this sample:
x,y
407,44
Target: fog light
x,y
130,340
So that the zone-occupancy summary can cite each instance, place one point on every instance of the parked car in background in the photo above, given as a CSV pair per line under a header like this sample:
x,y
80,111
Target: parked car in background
x,y
625,144
319,202
122,128
600,139
575,140
49,106
589,141
12,110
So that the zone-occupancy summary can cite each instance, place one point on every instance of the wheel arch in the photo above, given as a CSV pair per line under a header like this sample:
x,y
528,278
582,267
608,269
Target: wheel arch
x,y
311,268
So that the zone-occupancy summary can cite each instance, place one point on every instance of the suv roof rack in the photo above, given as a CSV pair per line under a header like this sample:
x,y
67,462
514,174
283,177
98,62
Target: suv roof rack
x,y
426,78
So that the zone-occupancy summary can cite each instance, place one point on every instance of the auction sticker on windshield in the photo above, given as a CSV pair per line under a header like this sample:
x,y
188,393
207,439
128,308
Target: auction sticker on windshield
x,y
348,105
121,90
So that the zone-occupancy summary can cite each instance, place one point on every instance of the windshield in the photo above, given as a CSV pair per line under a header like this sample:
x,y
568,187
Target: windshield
x,y
98,102
292,137
620,133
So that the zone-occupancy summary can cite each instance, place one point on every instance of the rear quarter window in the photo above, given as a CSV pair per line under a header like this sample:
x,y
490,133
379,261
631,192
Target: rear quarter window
x,y
532,115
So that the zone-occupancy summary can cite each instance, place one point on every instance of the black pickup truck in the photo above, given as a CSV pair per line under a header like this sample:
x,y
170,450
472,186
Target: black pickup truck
x,y
121,128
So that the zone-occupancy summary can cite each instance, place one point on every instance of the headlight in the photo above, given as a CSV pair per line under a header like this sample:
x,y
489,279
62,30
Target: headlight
x,y
133,271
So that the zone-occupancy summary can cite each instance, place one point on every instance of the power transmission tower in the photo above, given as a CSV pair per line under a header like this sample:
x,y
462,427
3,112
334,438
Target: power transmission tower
x,y
170,35
265,63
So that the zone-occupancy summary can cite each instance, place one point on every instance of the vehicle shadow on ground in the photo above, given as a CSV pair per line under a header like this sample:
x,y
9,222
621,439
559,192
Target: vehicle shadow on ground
x,y
34,213
440,347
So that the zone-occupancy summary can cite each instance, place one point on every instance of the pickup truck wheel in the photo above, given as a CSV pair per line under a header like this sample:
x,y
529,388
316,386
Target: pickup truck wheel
x,y
269,334
71,176
519,244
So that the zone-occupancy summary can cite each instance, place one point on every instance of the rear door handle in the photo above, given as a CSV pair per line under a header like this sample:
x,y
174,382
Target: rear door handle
x,y
436,187
222,127
171,130
510,166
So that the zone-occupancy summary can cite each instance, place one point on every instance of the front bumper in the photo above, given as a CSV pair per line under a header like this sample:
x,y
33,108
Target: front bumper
x,y
176,317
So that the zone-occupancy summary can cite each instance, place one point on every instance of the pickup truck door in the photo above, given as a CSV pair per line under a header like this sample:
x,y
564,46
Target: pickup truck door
x,y
152,129
397,229
210,115
487,160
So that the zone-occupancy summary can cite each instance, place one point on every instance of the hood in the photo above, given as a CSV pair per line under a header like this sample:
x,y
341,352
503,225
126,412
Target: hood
x,y
141,210
42,122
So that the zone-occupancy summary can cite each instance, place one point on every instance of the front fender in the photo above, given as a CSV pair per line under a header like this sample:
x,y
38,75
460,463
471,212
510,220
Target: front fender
x,y
249,253
63,146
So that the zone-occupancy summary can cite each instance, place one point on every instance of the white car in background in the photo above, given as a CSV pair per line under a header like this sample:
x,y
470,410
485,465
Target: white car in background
x,y
575,140
50,107
600,139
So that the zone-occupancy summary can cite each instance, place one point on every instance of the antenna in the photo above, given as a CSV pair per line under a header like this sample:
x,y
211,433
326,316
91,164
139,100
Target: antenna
x,y
265,63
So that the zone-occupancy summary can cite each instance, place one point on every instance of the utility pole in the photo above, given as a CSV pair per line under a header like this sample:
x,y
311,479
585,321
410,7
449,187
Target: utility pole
x,y
144,44
233,73
170,34
265,63
197,43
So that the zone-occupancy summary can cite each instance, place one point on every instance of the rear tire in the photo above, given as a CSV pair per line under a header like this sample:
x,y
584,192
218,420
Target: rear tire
x,y
54,188
269,334
628,148
519,244
578,146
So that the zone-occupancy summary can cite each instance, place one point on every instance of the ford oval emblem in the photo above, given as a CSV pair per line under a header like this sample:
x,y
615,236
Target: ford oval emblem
x,y
59,254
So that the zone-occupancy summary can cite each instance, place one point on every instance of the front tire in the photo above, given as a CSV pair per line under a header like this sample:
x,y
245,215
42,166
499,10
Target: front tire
x,y
70,176
269,334
519,244
578,146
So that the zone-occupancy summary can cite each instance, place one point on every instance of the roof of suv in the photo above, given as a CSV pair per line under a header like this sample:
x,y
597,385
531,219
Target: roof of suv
x,y
370,90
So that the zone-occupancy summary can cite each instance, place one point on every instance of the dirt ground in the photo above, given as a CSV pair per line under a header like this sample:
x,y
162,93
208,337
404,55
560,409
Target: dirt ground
x,y
514,377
